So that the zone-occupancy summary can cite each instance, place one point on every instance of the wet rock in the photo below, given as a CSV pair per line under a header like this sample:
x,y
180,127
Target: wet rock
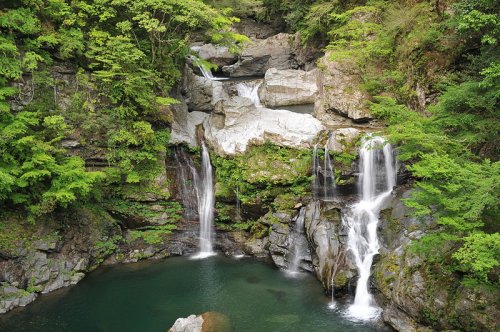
x,y
184,125
207,322
288,87
328,241
191,323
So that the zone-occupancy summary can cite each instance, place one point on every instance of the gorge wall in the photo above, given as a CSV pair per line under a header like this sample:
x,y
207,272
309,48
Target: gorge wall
x,y
263,159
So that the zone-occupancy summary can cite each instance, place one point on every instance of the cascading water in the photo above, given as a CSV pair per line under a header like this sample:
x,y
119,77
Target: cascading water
x,y
299,242
206,202
324,180
376,181
250,90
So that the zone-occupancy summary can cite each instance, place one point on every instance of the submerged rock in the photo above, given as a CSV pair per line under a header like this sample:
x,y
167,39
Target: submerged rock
x,y
288,87
207,322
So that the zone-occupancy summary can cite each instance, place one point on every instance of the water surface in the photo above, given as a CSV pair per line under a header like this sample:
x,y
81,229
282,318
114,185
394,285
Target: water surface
x,y
150,296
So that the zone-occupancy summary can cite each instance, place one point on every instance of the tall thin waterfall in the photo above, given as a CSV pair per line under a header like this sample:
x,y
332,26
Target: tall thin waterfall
x,y
250,90
376,181
299,242
206,202
323,185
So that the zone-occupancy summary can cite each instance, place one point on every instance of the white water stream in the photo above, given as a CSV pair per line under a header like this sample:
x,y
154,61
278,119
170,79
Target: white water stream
x,y
377,179
250,90
299,242
206,201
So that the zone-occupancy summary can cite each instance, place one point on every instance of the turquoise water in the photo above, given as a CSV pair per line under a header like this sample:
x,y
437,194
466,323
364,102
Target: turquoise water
x,y
150,296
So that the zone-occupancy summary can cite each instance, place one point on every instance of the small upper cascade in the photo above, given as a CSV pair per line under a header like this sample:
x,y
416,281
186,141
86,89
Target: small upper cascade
x,y
324,178
298,242
207,73
206,202
187,177
376,181
250,90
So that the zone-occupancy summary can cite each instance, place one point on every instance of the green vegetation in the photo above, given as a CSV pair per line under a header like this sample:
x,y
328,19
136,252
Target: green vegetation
x,y
126,56
433,70
263,173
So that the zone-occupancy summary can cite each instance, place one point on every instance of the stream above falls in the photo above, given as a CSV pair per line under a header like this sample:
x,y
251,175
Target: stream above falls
x,y
150,296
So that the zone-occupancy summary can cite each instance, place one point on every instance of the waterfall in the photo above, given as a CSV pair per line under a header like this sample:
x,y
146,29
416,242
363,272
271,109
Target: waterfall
x,y
187,178
298,243
250,90
206,202
376,181
323,186
329,179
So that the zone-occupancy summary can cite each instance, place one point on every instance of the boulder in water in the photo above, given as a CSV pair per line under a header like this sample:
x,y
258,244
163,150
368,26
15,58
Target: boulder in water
x,y
288,87
210,321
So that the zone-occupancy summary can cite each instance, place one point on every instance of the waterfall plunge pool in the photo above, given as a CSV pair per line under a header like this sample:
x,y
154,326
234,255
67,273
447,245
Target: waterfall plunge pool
x,y
150,296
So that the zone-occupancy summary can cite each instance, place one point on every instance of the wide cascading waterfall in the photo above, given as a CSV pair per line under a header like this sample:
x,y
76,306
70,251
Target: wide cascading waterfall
x,y
376,181
250,90
298,242
206,200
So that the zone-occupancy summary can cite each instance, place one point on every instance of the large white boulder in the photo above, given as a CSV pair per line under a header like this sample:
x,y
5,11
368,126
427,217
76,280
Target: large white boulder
x,y
237,123
288,87
184,125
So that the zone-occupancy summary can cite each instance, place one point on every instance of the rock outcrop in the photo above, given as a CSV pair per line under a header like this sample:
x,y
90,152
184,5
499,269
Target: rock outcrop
x,y
340,92
416,293
327,236
218,55
200,93
261,54
237,123
288,87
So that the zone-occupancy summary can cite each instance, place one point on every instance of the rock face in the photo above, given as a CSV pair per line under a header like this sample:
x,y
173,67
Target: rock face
x,y
327,237
414,293
339,92
200,93
261,54
288,87
184,125
237,123
218,55
343,138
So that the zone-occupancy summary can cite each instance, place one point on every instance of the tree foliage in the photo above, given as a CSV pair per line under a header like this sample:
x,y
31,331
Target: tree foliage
x,y
127,55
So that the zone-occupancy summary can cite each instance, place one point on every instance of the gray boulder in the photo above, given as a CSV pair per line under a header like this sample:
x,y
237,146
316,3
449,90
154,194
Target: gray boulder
x,y
288,87
261,54
340,92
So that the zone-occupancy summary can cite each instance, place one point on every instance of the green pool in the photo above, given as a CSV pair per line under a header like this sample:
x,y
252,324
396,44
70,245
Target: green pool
x,y
150,296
